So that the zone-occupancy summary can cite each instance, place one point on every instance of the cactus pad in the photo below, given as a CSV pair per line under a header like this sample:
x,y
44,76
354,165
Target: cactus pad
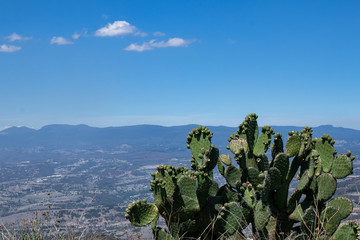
x,y
293,145
343,205
254,176
232,175
277,146
281,162
275,178
187,188
220,167
199,141
141,213
293,201
330,218
348,231
161,234
261,215
238,145
309,222
225,159
249,197
232,218
324,146
249,128
298,213
326,186
263,143
304,181
166,177
342,166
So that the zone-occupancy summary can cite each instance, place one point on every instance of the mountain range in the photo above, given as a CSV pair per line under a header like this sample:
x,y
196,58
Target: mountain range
x,y
143,136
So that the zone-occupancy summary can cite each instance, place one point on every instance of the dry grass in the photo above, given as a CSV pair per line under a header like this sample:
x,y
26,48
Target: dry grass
x,y
47,225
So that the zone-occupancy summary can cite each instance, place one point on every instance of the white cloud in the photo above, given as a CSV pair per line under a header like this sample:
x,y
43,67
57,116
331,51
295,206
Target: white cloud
x,y
16,37
79,34
159,34
60,41
118,28
9,48
76,36
171,42
138,48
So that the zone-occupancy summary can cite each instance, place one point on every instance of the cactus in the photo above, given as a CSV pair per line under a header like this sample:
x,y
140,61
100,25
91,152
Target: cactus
x,y
256,192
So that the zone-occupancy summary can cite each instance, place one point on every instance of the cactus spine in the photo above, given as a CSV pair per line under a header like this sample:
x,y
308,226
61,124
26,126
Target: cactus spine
x,y
256,192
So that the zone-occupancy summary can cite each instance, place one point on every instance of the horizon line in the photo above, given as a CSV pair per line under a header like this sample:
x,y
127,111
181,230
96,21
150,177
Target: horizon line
x,y
165,126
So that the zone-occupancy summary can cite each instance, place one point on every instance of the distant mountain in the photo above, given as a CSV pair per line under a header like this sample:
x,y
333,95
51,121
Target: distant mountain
x,y
144,136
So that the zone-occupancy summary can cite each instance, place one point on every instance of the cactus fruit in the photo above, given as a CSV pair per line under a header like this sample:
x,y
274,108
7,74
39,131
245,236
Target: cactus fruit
x,y
256,192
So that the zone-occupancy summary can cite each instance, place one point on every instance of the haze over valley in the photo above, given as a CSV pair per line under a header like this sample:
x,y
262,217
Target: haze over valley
x,y
89,175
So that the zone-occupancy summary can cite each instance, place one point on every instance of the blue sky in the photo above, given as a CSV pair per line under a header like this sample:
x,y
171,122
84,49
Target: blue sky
x,y
113,63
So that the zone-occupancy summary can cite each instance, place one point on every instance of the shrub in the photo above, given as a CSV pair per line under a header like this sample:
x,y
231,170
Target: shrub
x,y
257,190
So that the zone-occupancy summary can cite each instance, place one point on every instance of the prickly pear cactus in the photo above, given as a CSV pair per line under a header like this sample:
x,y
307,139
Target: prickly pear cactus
x,y
256,192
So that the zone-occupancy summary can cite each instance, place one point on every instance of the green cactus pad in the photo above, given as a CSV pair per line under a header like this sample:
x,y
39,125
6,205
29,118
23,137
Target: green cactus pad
x,y
249,197
297,214
187,188
225,159
228,194
175,228
309,222
237,145
141,213
253,174
213,189
326,186
282,163
311,167
293,201
343,205
159,193
232,175
211,160
261,215
267,192
293,145
249,128
271,228
318,166
277,146
304,181
263,143
326,151
232,217
348,231
199,141
331,219
161,234
294,167
220,167
342,166
262,162
312,187
204,182
166,174
275,178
